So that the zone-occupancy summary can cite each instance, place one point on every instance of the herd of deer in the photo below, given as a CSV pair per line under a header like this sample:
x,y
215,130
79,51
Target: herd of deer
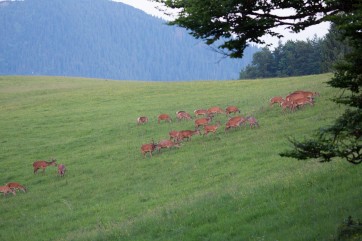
x,y
175,137
293,101
12,187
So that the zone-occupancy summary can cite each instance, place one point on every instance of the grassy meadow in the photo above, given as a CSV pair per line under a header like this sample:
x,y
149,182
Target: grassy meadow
x,y
224,186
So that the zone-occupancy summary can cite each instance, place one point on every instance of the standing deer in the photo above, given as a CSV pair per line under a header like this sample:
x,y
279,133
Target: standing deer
x,y
61,170
166,144
164,117
43,164
211,128
150,147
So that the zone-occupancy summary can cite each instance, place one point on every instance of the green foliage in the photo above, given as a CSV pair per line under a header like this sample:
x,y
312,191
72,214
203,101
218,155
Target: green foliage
x,y
294,58
238,23
344,137
350,230
228,186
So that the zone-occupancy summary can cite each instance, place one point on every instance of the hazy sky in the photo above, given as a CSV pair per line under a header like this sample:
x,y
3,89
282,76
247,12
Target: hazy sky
x,y
319,30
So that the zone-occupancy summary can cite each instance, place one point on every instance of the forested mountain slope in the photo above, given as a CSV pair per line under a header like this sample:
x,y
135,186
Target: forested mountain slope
x,y
103,39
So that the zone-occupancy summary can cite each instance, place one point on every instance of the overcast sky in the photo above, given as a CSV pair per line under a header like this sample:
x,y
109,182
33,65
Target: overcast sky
x,y
319,30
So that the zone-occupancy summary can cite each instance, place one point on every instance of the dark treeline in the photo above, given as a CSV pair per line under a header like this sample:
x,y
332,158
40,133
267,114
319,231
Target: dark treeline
x,y
295,58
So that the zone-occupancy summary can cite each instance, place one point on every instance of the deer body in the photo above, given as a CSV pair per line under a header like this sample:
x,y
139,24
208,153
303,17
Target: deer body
x,y
43,164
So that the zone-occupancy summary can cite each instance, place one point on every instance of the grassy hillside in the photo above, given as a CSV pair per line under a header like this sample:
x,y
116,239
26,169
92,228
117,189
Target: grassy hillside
x,y
227,186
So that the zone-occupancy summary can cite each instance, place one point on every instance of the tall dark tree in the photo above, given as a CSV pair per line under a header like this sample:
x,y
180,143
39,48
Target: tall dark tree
x,y
234,24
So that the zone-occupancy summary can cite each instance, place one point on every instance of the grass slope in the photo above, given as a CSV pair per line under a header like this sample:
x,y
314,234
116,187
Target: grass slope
x,y
227,186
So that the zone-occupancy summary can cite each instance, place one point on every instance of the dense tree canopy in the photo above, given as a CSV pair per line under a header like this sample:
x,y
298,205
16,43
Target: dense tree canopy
x,y
239,22
233,24
295,58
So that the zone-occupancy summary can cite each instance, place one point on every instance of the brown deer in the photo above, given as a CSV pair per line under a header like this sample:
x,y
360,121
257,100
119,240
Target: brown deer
x,y
164,117
43,164
166,144
180,115
187,134
234,122
231,109
5,190
61,170
142,120
215,110
200,112
276,99
150,147
202,121
16,186
252,121
288,104
175,136
211,128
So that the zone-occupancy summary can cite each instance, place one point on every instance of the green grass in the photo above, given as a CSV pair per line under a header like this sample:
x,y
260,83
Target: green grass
x,y
227,186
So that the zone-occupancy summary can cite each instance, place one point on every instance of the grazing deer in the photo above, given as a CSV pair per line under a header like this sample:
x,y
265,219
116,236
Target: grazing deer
x,y
166,144
61,170
231,109
234,122
183,115
16,186
186,134
148,148
211,128
164,117
200,112
252,121
215,110
43,164
175,136
5,190
276,99
202,121
142,120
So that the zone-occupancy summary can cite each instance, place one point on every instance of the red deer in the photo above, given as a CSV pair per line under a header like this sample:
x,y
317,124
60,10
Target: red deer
x,y
200,112
175,136
234,122
202,121
148,148
239,119
43,164
166,144
5,190
301,94
61,170
183,115
276,99
303,101
164,117
16,186
186,134
252,121
215,110
231,109
211,128
288,104
142,120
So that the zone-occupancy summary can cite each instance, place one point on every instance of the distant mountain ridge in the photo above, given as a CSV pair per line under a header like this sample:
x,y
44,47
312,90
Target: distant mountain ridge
x,y
103,39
